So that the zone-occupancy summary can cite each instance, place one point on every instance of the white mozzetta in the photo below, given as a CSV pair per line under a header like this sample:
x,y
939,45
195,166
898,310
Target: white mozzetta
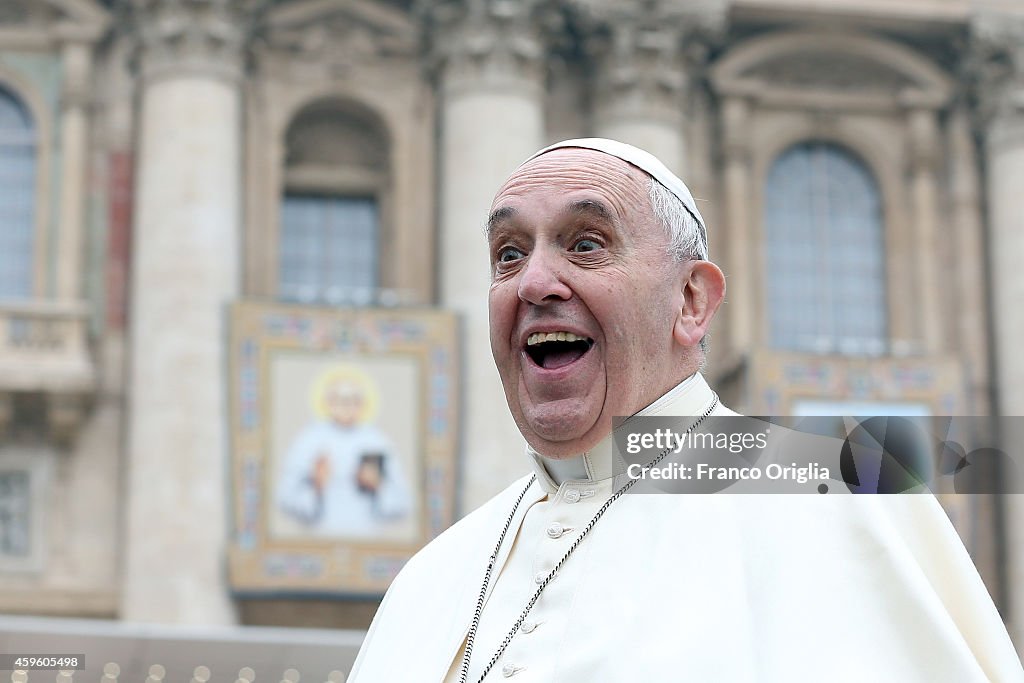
x,y
696,587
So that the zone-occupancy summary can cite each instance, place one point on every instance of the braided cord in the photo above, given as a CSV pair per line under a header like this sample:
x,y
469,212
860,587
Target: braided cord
x,y
540,589
471,636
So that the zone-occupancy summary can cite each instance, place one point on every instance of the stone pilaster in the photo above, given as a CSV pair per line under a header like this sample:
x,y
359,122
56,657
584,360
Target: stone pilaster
x,y
971,321
76,63
998,51
489,58
737,190
923,156
185,272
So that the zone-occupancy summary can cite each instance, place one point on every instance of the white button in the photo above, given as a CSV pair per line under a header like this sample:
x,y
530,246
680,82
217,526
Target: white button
x,y
539,579
572,496
509,670
528,626
555,530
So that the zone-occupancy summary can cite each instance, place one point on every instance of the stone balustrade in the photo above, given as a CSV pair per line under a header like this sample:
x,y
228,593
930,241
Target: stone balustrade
x,y
120,652
44,348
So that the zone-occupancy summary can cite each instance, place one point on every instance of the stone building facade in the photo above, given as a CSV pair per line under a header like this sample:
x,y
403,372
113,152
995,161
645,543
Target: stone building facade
x,y
154,150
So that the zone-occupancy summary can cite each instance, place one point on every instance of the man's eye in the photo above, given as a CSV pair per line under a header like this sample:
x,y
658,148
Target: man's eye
x,y
585,245
509,254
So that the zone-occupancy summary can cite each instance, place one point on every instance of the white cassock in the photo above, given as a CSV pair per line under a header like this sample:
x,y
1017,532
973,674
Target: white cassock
x,y
693,588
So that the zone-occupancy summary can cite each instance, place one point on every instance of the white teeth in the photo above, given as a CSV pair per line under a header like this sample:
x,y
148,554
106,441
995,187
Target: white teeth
x,y
541,337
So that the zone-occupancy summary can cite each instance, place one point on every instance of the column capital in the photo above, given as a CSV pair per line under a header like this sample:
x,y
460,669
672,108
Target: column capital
x,y
201,36
77,85
923,139
476,44
649,53
736,128
997,61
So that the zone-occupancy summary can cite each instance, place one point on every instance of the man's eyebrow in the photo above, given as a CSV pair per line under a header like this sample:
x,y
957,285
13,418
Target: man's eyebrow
x,y
580,207
499,215
591,207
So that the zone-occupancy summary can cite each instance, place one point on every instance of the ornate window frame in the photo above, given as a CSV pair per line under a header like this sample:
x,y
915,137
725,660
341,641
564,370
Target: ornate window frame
x,y
343,181
891,124
846,150
309,54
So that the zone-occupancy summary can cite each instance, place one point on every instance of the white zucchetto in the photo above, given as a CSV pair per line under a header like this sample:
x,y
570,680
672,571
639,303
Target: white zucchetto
x,y
645,161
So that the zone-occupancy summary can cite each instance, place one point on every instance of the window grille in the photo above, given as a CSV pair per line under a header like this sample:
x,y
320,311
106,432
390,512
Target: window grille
x,y
17,197
825,253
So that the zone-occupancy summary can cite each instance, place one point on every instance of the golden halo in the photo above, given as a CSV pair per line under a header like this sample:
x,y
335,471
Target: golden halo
x,y
345,374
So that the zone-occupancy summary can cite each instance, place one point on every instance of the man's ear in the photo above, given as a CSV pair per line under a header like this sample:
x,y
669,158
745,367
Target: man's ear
x,y
703,289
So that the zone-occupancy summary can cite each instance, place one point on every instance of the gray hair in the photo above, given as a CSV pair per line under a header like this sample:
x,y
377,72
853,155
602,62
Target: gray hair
x,y
687,239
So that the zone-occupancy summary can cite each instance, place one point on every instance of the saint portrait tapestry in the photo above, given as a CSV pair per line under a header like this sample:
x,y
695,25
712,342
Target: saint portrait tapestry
x,y
344,444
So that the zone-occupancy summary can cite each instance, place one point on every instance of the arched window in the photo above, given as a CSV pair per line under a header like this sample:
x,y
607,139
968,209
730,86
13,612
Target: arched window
x,y
17,197
825,253
335,176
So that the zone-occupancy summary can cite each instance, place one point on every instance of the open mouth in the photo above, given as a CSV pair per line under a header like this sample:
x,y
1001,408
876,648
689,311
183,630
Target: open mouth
x,y
551,350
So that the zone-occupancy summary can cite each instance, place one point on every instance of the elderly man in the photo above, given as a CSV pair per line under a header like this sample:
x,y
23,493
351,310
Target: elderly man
x,y
601,296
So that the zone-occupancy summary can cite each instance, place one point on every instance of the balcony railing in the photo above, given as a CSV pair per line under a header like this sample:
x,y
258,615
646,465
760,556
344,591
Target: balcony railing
x,y
121,652
44,347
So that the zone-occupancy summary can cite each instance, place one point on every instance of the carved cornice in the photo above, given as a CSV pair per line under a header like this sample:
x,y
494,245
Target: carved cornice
x,y
706,18
485,43
648,53
831,71
996,64
206,36
47,24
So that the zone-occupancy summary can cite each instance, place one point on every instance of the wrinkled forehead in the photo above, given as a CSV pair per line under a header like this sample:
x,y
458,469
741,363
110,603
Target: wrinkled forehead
x,y
574,168
572,155
640,159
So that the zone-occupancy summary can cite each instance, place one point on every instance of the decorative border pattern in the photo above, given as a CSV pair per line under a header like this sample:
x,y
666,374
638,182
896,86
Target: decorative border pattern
x,y
780,379
259,563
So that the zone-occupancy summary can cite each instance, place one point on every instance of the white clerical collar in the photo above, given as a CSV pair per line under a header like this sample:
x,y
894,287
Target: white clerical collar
x,y
692,396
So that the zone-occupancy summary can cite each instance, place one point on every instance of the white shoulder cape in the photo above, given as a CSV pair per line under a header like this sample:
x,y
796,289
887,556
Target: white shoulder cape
x,y
700,588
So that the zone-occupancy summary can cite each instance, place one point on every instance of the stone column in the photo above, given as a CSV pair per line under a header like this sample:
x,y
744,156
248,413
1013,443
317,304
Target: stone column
x,y
185,272
998,43
490,60
971,319
645,62
640,85
923,137
741,296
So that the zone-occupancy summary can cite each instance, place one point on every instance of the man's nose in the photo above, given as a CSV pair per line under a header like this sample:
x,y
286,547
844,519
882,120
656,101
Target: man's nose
x,y
542,279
